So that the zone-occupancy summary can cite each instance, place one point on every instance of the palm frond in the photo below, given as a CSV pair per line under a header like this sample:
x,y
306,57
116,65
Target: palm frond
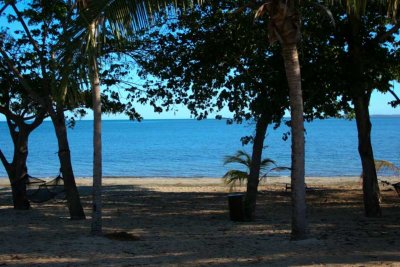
x,y
241,157
129,17
234,175
234,178
267,162
281,168
117,21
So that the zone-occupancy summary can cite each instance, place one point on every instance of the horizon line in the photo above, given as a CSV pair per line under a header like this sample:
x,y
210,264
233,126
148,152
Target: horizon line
x,y
223,118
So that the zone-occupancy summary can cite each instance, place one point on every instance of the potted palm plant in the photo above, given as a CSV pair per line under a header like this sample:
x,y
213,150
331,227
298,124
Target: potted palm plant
x,y
238,177
235,177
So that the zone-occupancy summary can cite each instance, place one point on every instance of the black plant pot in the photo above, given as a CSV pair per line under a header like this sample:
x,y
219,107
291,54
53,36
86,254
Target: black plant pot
x,y
236,207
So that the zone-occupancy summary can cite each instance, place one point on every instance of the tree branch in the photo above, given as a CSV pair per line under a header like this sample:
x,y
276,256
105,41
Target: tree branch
x,y
9,114
4,160
19,118
11,128
4,7
385,35
397,101
22,80
38,120
33,42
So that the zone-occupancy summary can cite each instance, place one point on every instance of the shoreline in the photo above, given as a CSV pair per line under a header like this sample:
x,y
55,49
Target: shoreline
x,y
198,181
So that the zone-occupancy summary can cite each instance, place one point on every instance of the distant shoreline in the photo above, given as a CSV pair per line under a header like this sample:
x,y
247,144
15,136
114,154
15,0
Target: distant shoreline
x,y
224,118
383,115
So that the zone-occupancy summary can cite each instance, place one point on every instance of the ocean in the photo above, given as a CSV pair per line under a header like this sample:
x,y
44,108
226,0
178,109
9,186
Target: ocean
x,y
191,148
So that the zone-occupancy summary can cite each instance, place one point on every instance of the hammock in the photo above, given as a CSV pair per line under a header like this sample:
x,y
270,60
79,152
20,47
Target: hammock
x,y
387,168
39,191
396,185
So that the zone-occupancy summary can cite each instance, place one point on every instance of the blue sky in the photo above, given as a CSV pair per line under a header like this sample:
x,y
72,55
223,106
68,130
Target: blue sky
x,y
379,102
378,106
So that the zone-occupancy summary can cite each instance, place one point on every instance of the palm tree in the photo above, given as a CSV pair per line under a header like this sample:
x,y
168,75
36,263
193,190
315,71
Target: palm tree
x,y
284,26
122,18
96,228
92,35
238,177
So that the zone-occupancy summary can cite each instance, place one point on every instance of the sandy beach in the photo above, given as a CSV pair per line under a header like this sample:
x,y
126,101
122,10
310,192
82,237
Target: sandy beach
x,y
185,222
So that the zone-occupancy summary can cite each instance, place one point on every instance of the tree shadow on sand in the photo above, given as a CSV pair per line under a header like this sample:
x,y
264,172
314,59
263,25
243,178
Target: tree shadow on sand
x,y
193,228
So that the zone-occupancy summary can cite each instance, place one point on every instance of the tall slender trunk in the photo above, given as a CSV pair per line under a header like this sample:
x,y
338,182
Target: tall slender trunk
x,y
254,175
361,98
64,155
299,208
284,26
370,179
97,149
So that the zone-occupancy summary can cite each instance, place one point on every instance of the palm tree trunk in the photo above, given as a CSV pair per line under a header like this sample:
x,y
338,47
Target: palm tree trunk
x,y
370,179
64,155
97,148
292,67
254,175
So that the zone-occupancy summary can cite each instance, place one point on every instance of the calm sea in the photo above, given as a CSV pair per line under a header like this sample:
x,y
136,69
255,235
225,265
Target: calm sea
x,y
191,148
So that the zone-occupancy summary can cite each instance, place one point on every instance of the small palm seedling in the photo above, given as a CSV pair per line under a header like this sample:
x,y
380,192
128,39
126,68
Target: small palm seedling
x,y
238,177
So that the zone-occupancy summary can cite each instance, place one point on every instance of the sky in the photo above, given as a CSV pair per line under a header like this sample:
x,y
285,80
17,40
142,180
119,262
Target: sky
x,y
379,106
379,103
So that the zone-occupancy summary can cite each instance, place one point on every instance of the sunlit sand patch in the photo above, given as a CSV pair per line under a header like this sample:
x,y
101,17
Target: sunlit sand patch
x,y
27,259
